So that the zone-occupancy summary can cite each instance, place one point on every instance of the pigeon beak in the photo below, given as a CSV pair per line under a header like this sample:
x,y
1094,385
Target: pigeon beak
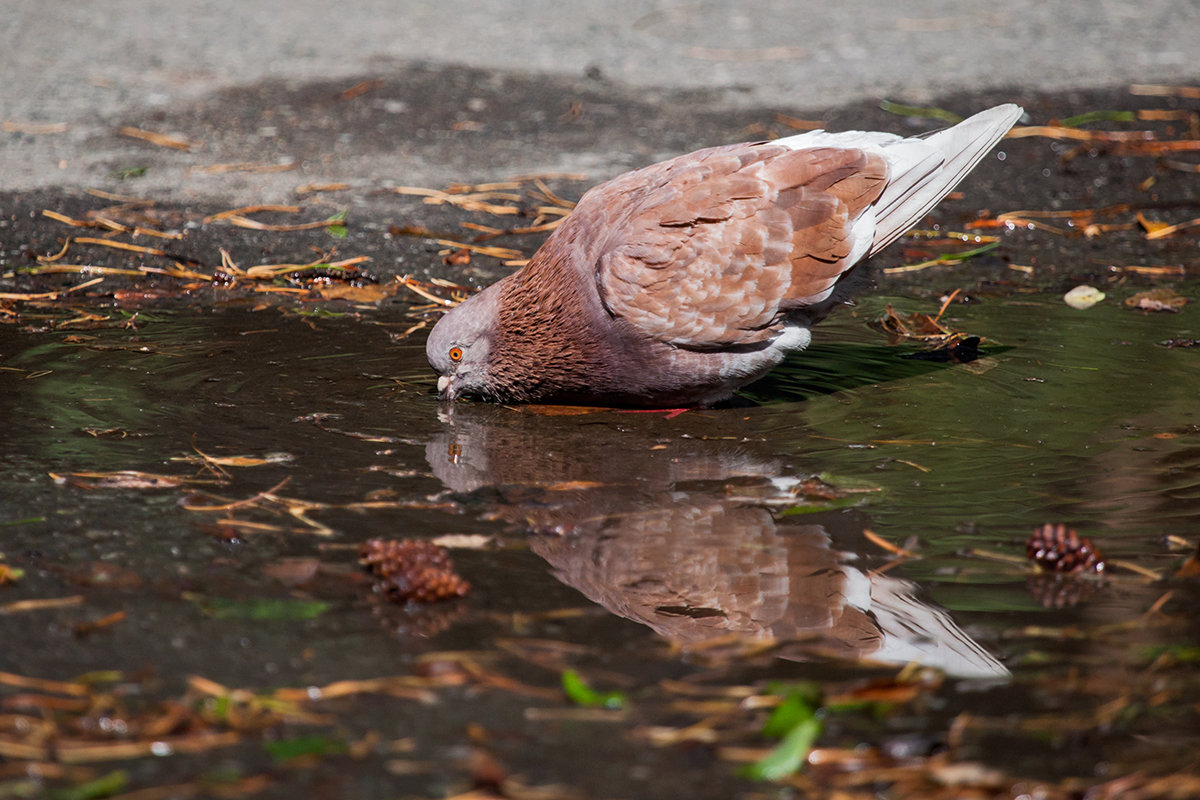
x,y
443,388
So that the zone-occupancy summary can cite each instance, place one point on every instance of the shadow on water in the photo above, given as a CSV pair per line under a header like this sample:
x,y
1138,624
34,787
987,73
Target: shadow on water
x,y
837,367
697,527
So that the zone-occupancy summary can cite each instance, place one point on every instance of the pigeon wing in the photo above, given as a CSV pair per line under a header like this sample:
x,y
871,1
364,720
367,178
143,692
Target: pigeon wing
x,y
710,249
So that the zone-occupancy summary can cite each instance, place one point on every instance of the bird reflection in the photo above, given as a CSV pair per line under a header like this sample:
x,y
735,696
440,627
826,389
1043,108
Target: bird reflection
x,y
681,533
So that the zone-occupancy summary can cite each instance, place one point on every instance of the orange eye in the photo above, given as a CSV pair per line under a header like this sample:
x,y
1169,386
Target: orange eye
x,y
456,354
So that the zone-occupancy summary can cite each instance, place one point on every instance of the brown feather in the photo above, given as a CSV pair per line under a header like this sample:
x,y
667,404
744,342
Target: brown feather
x,y
714,247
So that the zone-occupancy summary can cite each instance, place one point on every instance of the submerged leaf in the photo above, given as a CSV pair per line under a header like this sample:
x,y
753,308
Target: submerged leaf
x,y
795,722
315,745
1098,116
797,707
120,479
259,608
584,695
293,571
789,756
104,786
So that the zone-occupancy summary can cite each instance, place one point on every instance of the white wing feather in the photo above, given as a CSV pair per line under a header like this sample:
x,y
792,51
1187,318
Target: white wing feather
x,y
923,169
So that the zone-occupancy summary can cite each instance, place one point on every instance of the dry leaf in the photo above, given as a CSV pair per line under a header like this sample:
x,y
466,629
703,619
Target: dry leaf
x,y
1156,300
293,571
463,541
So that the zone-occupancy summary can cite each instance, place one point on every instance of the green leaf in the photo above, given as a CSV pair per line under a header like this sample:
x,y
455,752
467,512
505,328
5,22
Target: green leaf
x,y
928,112
315,745
322,313
965,254
337,225
259,608
99,677
1176,652
789,756
794,710
129,172
1098,116
849,501
104,786
582,694
220,707
25,521
800,701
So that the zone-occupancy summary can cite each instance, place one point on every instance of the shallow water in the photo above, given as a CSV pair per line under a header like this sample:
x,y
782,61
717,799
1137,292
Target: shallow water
x,y
635,547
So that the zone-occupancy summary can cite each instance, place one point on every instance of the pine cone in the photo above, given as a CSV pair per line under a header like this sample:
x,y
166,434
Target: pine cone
x,y
409,569
1057,548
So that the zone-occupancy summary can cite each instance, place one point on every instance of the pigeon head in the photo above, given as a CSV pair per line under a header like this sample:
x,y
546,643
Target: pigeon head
x,y
459,347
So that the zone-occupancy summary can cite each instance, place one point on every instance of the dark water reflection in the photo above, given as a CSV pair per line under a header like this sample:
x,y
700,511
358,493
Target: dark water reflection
x,y
682,535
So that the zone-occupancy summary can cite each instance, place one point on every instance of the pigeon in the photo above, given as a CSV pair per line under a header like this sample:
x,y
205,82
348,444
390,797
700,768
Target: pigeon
x,y
678,283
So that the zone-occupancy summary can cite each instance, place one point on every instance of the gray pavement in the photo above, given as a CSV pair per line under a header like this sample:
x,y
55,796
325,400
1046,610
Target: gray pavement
x,y
178,67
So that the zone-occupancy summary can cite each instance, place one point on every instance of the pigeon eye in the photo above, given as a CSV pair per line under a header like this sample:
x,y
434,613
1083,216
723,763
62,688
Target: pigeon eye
x,y
456,354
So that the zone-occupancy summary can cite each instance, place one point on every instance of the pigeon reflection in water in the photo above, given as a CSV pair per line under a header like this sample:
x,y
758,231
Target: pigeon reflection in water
x,y
678,533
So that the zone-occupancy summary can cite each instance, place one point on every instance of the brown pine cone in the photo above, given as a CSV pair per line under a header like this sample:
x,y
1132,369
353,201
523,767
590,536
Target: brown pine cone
x,y
1057,548
410,569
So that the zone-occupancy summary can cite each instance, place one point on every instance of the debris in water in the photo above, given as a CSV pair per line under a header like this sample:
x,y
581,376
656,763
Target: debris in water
x,y
961,351
921,327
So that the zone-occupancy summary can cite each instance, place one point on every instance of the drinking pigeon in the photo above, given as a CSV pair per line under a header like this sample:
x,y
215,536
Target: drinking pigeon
x,y
677,283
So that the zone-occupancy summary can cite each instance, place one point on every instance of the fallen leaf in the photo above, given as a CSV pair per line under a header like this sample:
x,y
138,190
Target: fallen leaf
x,y
121,479
1156,300
1191,567
457,258
916,325
105,574
293,572
1083,296
1151,225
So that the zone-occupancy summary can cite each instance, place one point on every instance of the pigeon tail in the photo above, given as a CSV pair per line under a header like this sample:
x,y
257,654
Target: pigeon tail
x,y
927,168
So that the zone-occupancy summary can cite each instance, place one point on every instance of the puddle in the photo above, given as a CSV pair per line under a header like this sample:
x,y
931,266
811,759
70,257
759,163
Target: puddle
x,y
649,552
658,602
